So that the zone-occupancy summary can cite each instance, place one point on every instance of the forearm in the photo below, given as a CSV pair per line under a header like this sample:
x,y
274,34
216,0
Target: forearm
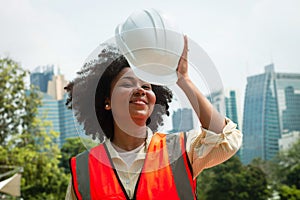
x,y
208,149
209,117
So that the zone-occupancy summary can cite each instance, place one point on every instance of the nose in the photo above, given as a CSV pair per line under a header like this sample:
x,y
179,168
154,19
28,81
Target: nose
x,y
139,92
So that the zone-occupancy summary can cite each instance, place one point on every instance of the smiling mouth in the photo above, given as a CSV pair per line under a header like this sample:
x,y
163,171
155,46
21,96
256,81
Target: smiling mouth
x,y
138,102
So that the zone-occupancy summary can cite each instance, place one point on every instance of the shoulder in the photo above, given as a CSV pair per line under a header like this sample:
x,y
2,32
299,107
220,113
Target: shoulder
x,y
88,151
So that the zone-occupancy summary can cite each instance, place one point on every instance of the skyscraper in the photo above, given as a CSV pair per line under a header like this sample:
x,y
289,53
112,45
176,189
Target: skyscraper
x,y
232,106
182,120
53,107
49,111
227,103
288,91
269,102
56,86
40,76
66,121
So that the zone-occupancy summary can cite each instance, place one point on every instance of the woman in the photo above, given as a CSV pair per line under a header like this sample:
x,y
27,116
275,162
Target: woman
x,y
133,161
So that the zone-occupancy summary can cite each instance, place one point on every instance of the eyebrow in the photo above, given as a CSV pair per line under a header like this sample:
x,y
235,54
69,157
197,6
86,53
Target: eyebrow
x,y
128,77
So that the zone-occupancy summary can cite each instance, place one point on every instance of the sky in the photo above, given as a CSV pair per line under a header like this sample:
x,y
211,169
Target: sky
x,y
240,37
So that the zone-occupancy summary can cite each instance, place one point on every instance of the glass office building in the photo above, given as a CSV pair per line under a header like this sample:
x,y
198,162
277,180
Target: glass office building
x,y
232,108
182,120
288,92
53,107
61,118
67,122
269,102
49,112
40,76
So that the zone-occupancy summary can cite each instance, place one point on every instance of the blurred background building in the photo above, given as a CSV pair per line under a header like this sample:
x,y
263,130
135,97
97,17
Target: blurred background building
x,y
182,120
271,109
40,77
53,107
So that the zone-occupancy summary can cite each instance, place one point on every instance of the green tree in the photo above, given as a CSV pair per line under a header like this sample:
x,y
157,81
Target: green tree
x,y
293,177
268,167
287,172
288,166
26,140
42,178
232,180
17,107
289,193
70,148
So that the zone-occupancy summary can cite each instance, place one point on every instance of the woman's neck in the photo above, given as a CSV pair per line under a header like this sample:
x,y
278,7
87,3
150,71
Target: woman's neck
x,y
129,141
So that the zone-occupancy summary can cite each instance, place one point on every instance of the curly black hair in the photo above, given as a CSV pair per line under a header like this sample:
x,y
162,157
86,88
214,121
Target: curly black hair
x,y
87,94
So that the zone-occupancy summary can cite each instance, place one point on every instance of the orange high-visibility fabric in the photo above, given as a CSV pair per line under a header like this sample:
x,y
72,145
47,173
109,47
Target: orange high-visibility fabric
x,y
74,177
156,180
102,178
157,174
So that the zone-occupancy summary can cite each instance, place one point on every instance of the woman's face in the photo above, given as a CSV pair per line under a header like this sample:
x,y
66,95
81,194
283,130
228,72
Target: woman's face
x,y
131,98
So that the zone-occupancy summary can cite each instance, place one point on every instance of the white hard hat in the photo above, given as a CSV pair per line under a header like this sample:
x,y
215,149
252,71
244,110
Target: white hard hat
x,y
152,45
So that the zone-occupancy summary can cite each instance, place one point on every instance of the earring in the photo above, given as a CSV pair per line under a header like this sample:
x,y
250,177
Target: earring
x,y
107,106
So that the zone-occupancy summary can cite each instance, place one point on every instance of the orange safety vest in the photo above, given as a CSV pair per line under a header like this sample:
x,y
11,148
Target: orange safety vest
x,y
166,174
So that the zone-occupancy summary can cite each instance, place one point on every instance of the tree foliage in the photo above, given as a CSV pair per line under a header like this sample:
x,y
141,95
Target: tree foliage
x,y
26,140
41,178
289,193
288,166
279,178
287,172
17,106
232,180
70,148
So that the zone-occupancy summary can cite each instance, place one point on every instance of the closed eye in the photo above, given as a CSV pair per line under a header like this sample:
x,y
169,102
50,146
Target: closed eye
x,y
127,85
146,87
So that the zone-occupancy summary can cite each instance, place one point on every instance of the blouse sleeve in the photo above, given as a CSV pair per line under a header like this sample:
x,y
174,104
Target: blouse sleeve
x,y
70,194
206,149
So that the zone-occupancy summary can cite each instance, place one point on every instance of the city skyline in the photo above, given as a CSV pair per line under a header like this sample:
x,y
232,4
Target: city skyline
x,y
239,37
271,111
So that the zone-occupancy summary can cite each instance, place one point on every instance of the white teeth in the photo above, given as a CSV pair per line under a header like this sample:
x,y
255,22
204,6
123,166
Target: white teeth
x,y
139,102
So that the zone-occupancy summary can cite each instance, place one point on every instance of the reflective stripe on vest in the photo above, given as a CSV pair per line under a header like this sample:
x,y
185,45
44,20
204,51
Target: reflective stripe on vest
x,y
166,173
181,166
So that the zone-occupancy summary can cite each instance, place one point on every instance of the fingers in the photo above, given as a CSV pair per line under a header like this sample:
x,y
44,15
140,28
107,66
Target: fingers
x,y
182,69
185,48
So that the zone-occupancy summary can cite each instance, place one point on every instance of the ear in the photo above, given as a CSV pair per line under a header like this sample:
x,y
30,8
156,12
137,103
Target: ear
x,y
107,105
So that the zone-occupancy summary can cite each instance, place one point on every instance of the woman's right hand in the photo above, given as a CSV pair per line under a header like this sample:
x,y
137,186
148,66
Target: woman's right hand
x,y
182,68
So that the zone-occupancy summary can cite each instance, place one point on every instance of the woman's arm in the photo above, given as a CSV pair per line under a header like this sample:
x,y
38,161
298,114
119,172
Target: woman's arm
x,y
206,149
209,117
219,139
